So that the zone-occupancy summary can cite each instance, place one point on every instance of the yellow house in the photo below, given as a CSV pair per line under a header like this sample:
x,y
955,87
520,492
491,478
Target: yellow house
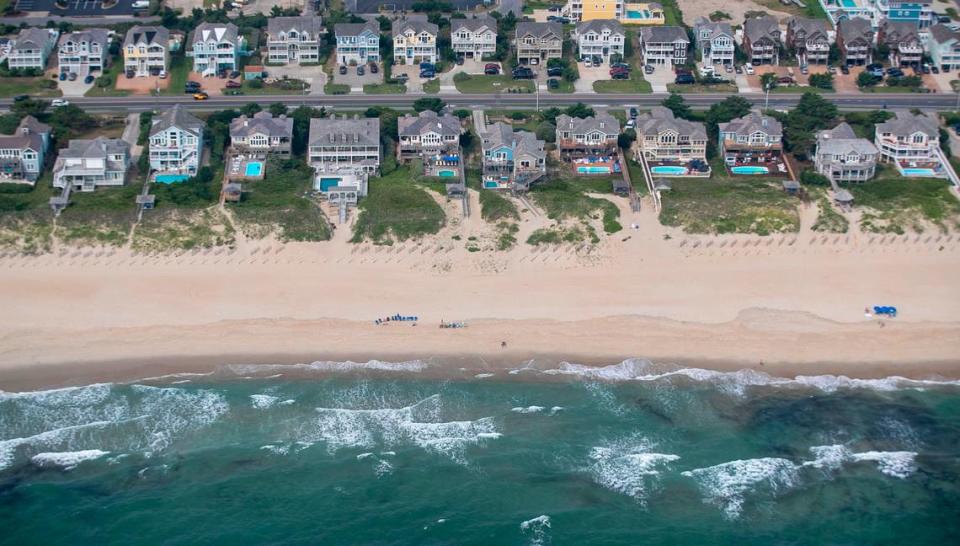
x,y
645,13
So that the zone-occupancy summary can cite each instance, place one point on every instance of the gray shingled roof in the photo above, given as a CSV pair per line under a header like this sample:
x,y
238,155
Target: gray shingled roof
x,y
715,29
841,140
99,147
522,142
601,122
21,140
941,34
176,117
895,32
905,124
355,29
427,121
539,30
751,123
855,28
91,35
343,130
261,122
402,26
311,24
663,34
147,35
31,38
661,118
759,28
474,24
221,32
599,25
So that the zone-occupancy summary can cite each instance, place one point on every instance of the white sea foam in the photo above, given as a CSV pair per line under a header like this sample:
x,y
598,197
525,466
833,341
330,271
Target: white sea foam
x,y
328,366
263,401
67,460
628,466
483,375
538,529
363,456
382,468
556,409
276,449
528,409
897,464
727,485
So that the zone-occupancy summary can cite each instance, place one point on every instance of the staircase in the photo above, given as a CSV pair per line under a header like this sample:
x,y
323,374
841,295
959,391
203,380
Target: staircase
x,y
650,187
951,173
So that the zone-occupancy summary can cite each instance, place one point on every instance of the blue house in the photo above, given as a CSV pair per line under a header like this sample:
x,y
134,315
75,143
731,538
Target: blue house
x,y
511,159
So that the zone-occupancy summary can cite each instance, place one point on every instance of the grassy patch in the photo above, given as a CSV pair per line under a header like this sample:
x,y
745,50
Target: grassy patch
x,y
384,89
169,229
886,89
278,205
787,89
432,86
114,71
178,74
563,234
495,207
290,86
482,84
691,89
336,88
396,210
829,220
894,205
566,200
729,205
37,87
563,87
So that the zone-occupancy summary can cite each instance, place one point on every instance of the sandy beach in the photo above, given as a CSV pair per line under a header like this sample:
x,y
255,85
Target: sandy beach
x,y
794,303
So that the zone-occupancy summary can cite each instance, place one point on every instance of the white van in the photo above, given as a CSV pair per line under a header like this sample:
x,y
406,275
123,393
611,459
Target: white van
x,y
140,4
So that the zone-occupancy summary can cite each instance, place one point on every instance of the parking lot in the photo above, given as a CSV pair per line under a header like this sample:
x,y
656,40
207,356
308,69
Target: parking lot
x,y
355,81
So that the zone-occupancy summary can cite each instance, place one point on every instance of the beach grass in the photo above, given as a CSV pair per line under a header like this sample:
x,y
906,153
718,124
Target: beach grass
x,y
828,219
729,205
102,217
564,199
893,204
278,205
397,209
497,208
163,230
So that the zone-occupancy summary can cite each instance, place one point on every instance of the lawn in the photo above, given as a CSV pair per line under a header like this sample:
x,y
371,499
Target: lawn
x,y
397,209
477,84
37,87
385,89
636,83
800,89
886,89
291,86
702,88
729,205
336,88
564,87
432,86
178,74
113,71
895,205
276,205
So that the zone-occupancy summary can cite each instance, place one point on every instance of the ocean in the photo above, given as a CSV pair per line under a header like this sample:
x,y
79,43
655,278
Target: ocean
x,y
406,453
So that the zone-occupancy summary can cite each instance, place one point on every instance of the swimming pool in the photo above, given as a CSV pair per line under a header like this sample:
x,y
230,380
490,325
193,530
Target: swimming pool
x,y
749,170
919,172
669,170
447,174
584,169
848,3
170,178
253,168
638,14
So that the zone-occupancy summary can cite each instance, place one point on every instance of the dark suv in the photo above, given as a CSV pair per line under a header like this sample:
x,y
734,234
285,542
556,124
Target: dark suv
x,y
523,73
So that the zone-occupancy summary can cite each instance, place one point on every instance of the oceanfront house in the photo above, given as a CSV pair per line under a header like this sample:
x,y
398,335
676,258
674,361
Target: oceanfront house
x,y
752,144
538,42
809,39
855,39
31,48
762,40
842,157
474,37
600,38
903,40
414,42
584,137
512,160
23,153
716,41
943,46
176,142
427,133
634,13
912,143
358,43
671,146
346,141
215,48
294,40
340,185
262,134
83,51
86,165
664,45
146,51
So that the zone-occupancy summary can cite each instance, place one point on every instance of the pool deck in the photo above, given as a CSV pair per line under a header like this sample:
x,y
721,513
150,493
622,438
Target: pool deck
x,y
235,168
611,163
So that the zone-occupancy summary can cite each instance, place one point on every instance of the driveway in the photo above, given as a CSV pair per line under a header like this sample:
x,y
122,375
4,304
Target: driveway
x,y
75,88
662,75
313,75
356,82
590,75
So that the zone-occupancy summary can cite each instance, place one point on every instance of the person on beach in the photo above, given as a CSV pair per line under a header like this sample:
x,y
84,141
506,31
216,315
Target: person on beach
x,y
503,344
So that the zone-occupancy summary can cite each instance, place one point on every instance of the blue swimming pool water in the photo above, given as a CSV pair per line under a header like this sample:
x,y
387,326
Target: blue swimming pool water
x,y
635,14
749,170
919,172
848,3
593,170
669,170
170,178
447,174
253,168
327,183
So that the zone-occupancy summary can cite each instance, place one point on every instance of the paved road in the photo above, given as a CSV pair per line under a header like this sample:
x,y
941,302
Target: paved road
x,y
852,102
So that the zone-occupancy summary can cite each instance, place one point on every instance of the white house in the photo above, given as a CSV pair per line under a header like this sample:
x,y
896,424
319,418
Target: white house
x,y
262,133
294,40
474,37
414,42
358,43
176,142
943,45
82,51
600,37
912,143
215,47
31,48
86,165
715,40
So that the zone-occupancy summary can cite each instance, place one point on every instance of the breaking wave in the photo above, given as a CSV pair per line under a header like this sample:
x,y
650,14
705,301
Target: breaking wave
x,y
67,460
627,466
328,366
538,529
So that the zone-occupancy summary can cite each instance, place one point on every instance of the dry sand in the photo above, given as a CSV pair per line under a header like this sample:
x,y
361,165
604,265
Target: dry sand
x,y
736,9
793,302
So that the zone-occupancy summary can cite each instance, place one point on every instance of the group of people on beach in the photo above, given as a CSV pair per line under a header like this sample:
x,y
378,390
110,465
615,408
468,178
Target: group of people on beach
x,y
396,318
458,324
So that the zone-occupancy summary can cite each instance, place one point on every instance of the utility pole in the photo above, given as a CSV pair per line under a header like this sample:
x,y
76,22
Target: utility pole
x,y
766,100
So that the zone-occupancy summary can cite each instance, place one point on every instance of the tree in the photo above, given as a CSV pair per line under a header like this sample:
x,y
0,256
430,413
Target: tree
x,y
678,105
462,113
277,109
428,103
626,138
29,107
822,81
813,113
250,109
580,110
813,178
768,80
570,74
301,126
546,132
866,79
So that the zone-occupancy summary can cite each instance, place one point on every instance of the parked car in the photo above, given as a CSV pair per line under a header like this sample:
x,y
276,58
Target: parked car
x,y
631,123
587,62
620,75
428,66
633,112
360,70
956,129
844,69
233,92
343,70
460,59
832,70
648,69
200,96
749,69
874,66
374,68
401,78
523,73
131,74
804,69
57,103
706,71
72,76
428,74
728,68
234,85
553,83
63,76
613,71
738,69
934,69
491,69
89,79
555,71
685,79
236,74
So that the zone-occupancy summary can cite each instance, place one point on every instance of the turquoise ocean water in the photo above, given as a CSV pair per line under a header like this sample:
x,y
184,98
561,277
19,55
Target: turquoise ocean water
x,y
380,453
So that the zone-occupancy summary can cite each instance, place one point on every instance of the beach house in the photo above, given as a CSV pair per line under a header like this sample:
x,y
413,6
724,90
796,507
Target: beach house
x,y
346,141
582,137
86,165
943,45
918,13
357,43
762,40
912,143
855,40
634,13
146,51
512,160
903,41
538,42
752,144
262,134
84,50
474,37
670,145
294,40
715,40
31,48
414,41
664,45
428,133
176,142
809,39
23,153
842,157
215,47
601,38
